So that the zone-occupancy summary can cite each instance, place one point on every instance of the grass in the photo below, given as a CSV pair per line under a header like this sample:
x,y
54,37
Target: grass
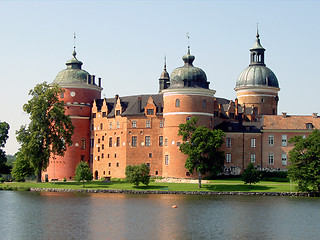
x,y
213,185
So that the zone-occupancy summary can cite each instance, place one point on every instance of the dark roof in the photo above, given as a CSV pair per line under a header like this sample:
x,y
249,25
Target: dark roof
x,y
132,105
238,127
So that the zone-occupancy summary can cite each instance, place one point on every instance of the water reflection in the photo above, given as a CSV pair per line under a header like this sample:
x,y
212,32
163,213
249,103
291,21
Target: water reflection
x,y
29,215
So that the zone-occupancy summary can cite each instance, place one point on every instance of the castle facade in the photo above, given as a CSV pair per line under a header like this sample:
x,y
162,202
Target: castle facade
x,y
112,133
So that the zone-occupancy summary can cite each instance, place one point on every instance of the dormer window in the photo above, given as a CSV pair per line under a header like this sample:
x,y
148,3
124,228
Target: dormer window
x,y
309,125
150,111
118,113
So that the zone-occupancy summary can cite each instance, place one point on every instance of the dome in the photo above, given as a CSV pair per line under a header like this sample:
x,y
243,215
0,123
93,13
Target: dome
x,y
257,75
188,75
73,74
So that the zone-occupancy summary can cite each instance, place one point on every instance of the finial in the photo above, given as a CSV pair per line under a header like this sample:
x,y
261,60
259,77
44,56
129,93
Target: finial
x,y
257,31
74,45
165,62
188,42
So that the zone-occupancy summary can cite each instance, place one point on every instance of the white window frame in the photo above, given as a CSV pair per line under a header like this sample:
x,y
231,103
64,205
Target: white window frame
x,y
284,159
166,160
271,140
253,142
253,158
228,158
271,159
228,143
148,124
284,140
147,141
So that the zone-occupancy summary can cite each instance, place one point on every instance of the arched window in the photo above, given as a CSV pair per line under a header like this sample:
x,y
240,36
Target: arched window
x,y
177,102
204,103
83,143
188,118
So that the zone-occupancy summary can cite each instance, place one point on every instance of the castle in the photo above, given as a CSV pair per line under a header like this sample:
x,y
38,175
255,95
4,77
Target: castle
x,y
112,133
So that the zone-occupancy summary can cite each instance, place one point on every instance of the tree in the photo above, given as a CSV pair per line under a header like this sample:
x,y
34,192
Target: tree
x,y
304,160
49,131
4,129
250,175
202,147
83,173
21,168
138,173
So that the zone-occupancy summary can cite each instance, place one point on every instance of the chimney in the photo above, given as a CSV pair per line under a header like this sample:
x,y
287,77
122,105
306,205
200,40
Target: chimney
x,y
93,80
89,79
99,81
284,114
314,115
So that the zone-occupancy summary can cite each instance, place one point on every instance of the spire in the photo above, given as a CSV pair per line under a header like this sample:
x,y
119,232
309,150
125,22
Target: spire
x,y
74,62
74,45
257,51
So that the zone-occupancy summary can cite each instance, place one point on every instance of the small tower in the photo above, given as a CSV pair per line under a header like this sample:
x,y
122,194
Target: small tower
x,y
257,86
80,91
164,80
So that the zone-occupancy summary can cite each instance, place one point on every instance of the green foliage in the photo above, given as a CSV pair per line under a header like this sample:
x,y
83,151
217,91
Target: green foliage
x,y
304,158
251,175
64,179
10,160
83,172
49,131
202,147
2,180
138,173
21,168
4,129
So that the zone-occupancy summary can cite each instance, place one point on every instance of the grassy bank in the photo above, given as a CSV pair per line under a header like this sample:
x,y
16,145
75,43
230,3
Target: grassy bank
x,y
213,185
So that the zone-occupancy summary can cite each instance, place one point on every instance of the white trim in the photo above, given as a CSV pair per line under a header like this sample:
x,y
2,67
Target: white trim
x,y
86,86
78,104
79,117
188,91
255,95
257,89
189,113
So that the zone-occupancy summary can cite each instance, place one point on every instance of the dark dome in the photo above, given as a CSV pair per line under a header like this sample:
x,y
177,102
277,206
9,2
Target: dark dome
x,y
257,75
73,74
188,75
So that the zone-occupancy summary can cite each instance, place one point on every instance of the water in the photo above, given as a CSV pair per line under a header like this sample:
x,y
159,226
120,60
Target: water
x,y
31,215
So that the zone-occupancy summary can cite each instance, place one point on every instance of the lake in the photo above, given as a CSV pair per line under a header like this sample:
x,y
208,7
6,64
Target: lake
x,y
49,215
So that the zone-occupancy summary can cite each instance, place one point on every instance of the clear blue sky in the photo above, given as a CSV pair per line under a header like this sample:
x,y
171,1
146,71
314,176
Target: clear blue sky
x,y
124,42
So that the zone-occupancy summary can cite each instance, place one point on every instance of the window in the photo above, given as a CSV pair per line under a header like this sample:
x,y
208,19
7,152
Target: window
x,y
253,142
134,124
83,143
215,113
284,159
102,155
109,164
118,125
83,158
104,114
178,102
309,125
166,142
117,164
62,95
118,141
271,159
147,141
150,155
101,126
150,111
110,142
118,113
91,143
284,141
98,158
98,140
160,141
228,158
134,141
156,172
204,103
161,123
94,115
178,144
210,122
98,149
271,140
110,125
253,158
115,156
102,146
166,160
102,138
148,165
188,118
148,124
228,142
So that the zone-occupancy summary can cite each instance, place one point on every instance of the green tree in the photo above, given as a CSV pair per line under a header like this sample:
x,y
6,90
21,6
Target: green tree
x,y
304,168
21,168
138,173
49,131
251,175
83,173
202,147
4,129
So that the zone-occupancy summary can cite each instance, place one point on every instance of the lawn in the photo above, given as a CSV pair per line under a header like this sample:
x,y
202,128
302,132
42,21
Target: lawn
x,y
213,185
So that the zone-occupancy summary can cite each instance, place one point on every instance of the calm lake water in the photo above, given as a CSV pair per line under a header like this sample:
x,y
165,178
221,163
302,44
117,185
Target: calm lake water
x,y
32,215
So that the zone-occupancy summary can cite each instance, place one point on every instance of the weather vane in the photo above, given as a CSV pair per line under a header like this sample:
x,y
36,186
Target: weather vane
x,y
188,41
74,41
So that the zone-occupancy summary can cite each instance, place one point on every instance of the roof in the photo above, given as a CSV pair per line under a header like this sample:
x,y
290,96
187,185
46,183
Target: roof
x,y
131,105
238,127
289,122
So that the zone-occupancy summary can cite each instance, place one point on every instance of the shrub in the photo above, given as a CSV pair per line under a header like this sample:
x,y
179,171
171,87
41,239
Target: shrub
x,y
138,173
64,179
2,180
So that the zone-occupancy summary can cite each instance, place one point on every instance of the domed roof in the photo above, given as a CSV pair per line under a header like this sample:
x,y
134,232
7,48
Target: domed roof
x,y
188,75
73,74
257,74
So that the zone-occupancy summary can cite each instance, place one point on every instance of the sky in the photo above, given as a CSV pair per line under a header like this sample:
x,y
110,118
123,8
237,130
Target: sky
x,y
125,42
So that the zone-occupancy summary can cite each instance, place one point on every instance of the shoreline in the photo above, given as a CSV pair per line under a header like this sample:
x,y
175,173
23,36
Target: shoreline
x,y
287,194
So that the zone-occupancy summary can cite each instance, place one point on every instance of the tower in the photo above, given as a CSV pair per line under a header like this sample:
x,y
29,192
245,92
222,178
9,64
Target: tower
x,y
164,78
188,95
257,86
80,91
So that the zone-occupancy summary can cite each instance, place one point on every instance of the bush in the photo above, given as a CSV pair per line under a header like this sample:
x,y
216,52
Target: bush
x,y
64,179
251,175
138,173
2,180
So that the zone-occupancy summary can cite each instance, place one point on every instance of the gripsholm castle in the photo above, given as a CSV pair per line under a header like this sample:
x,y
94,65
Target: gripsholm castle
x,y
112,133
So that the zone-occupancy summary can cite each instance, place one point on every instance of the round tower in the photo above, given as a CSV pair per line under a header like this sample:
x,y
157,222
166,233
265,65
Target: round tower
x,y
257,86
188,95
80,91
